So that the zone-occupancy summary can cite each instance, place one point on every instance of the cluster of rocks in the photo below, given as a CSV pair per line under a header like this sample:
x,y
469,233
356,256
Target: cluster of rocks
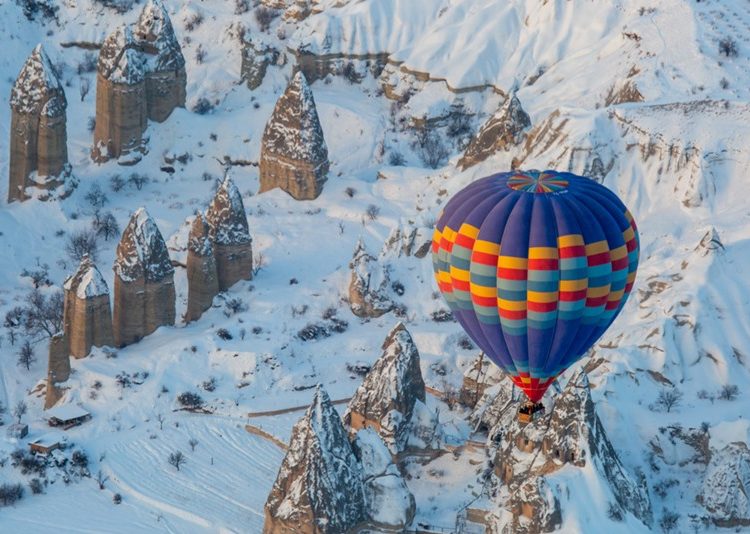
x,y
481,375
38,134
363,486
526,457
220,250
219,255
294,156
140,76
257,56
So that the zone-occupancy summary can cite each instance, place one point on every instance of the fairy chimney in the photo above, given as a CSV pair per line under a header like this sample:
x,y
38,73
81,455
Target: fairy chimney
x,y
58,369
203,281
165,64
87,318
121,110
144,281
230,235
38,139
294,156
319,488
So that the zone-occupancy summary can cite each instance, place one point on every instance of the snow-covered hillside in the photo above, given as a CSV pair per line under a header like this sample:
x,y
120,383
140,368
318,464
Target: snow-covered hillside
x,y
651,99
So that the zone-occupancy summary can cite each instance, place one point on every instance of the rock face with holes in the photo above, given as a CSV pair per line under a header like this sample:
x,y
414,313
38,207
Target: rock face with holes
x,y
144,281
482,374
38,134
58,369
165,64
121,110
140,76
203,279
87,320
230,236
319,488
390,394
294,155
369,285
504,130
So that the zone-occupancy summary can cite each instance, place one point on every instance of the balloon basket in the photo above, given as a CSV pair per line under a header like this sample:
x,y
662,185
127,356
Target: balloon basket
x,y
530,411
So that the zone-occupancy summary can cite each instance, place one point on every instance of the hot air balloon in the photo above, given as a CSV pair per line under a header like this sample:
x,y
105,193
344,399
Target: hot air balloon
x,y
535,266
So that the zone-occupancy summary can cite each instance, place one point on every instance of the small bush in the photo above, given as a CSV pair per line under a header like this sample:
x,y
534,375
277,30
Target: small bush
x,y
224,334
106,226
431,149
350,73
91,124
82,243
359,369
372,212
669,521
241,6
396,159
117,498
209,385
10,493
116,183
190,400
350,192
200,54
728,47
138,180
233,306
264,17
36,486
193,21
729,392
88,63
398,288
442,316
203,106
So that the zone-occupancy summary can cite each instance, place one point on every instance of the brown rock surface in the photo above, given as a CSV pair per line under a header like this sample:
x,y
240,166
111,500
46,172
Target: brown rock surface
x,y
121,110
144,281
294,156
87,318
230,235
38,141
203,281
256,57
58,369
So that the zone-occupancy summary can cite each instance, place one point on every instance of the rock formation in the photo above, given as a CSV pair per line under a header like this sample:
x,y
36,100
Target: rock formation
x,y
141,76
203,281
58,369
144,281
370,285
482,374
38,139
389,504
504,129
257,55
165,73
407,240
121,108
319,487
386,399
87,318
528,456
726,488
230,236
293,153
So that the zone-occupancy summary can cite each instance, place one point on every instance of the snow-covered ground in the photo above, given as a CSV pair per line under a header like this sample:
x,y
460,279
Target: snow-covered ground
x,y
678,160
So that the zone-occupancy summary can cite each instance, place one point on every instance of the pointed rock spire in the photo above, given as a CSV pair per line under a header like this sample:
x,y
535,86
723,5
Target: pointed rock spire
x,y
229,232
38,132
144,281
155,32
203,282
388,394
369,285
294,155
319,486
503,130
120,59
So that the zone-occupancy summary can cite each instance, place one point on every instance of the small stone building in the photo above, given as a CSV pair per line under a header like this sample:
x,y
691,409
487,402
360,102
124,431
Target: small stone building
x,y
165,72
87,320
144,281
121,110
38,134
202,276
230,235
294,155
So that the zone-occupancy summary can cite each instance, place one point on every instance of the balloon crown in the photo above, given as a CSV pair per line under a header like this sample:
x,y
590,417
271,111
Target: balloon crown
x,y
534,181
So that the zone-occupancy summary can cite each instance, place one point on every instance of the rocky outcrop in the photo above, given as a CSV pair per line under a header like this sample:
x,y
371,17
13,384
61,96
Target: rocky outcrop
x,y
369,285
571,434
408,240
710,242
257,55
298,10
726,488
387,397
504,129
230,235
38,135
144,281
165,64
87,320
203,280
121,107
141,76
477,379
319,488
58,369
390,506
294,156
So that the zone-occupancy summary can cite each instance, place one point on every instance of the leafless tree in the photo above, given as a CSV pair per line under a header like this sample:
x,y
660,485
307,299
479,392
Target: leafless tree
x,y
176,459
83,86
668,399
101,478
19,410
193,444
26,355
160,418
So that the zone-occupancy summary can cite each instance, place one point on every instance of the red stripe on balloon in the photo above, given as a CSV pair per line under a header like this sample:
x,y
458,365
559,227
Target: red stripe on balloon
x,y
571,296
577,251
543,264
541,306
598,259
484,258
511,274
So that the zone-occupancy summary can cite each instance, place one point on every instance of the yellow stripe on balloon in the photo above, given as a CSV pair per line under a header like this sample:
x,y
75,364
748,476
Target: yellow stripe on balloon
x,y
511,305
542,296
570,240
597,248
512,262
483,291
597,291
486,247
469,230
542,253
574,285
618,253
460,274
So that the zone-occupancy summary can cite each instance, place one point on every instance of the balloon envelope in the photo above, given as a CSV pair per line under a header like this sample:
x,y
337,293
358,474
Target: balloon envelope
x,y
535,266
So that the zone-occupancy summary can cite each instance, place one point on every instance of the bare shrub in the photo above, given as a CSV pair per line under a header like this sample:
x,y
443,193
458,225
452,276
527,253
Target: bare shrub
x,y
82,243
